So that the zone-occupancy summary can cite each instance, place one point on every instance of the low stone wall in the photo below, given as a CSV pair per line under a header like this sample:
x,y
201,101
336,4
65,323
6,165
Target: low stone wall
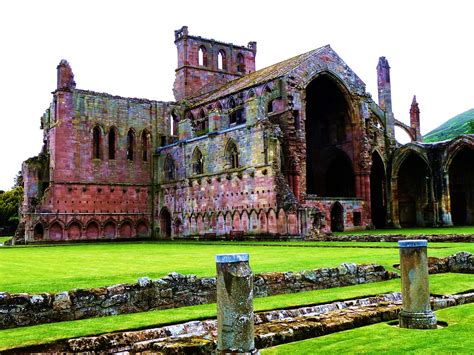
x,y
174,290
462,262
394,237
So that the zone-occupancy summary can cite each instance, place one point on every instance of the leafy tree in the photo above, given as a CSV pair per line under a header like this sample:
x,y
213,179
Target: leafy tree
x,y
9,203
470,127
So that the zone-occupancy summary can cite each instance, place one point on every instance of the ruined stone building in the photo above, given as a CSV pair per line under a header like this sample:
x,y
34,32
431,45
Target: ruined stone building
x,y
283,151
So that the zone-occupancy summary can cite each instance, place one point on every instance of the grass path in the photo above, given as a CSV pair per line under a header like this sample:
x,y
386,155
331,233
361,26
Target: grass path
x,y
45,333
60,268
456,338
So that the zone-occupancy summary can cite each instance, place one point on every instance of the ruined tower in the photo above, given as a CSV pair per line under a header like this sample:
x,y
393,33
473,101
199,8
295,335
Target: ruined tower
x,y
206,64
415,119
385,93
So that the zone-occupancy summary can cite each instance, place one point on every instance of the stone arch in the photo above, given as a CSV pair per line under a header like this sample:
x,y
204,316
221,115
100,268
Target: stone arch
x,y
222,59
199,224
165,222
262,222
272,222
38,231
401,154
461,185
97,134
337,217
125,229
145,144
56,230
131,144
202,56
253,221
454,147
197,162
213,222
193,224
110,229
177,227
231,154
236,223
413,190
330,144
112,136
143,229
228,222
221,226
378,191
244,221
74,230
282,227
92,229
292,223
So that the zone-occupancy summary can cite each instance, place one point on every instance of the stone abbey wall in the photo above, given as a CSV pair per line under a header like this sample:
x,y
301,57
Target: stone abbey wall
x,y
174,290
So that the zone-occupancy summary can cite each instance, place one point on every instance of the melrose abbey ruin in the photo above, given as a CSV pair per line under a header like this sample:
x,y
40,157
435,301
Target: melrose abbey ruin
x,y
283,152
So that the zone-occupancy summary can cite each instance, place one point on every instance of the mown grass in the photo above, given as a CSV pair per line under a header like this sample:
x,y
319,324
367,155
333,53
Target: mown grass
x,y
4,239
412,231
456,338
46,333
66,267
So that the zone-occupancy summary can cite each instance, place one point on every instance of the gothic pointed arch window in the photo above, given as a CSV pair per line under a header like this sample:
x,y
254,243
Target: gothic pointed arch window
x,y
240,63
112,142
232,155
221,60
236,113
96,142
202,56
169,169
197,162
130,144
145,142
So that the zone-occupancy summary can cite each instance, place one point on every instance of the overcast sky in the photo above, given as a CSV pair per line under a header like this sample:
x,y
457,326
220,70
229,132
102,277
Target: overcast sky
x,y
126,48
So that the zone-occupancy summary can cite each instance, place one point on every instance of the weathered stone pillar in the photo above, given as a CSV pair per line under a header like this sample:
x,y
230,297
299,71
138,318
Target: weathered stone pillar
x,y
416,309
235,321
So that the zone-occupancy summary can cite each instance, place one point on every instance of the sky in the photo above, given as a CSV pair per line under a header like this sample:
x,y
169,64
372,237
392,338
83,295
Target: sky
x,y
126,48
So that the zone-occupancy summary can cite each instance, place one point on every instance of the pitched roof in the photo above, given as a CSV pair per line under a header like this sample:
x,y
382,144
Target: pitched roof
x,y
255,78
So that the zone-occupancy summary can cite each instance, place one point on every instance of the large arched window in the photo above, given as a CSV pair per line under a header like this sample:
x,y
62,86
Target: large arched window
x,y
145,145
202,56
198,162
240,63
236,113
130,144
169,169
96,142
232,155
112,143
221,60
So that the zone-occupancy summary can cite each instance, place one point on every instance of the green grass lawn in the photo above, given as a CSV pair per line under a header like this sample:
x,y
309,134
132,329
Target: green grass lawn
x,y
417,230
64,267
45,333
4,239
456,338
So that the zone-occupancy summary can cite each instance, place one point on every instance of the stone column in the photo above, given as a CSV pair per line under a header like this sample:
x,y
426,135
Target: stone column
x,y
235,321
416,309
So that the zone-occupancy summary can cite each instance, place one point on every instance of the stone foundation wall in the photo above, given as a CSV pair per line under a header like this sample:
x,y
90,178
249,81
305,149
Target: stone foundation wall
x,y
174,290
462,262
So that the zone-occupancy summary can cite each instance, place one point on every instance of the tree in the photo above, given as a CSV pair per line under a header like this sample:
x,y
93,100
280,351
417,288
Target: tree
x,y
9,204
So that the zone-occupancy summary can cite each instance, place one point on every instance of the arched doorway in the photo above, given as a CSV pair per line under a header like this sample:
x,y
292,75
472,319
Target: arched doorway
x,y
328,126
38,232
165,223
461,187
414,192
337,218
377,191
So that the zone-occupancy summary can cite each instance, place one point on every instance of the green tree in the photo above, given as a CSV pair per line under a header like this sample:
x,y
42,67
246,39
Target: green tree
x,y
470,127
9,203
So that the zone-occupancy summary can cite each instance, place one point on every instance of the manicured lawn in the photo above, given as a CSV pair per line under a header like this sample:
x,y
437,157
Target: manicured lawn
x,y
60,268
456,338
418,230
41,334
